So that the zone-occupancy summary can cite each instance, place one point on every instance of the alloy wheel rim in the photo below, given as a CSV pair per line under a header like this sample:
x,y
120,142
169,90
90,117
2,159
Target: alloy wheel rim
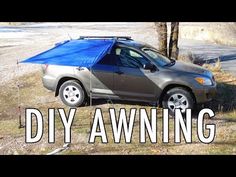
x,y
71,94
178,101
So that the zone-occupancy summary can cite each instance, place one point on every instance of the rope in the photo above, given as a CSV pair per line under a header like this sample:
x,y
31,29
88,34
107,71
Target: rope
x,y
59,150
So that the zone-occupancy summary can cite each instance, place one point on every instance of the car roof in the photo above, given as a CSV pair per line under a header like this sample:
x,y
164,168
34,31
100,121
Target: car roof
x,y
125,40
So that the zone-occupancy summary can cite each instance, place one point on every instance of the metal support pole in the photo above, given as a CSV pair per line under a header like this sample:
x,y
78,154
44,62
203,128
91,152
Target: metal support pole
x,y
18,97
90,99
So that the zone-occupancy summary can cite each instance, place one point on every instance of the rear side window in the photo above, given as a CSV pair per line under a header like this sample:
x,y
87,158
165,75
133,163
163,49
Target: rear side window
x,y
108,59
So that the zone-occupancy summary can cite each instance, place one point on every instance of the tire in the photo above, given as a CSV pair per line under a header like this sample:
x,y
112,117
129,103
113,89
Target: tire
x,y
72,94
177,98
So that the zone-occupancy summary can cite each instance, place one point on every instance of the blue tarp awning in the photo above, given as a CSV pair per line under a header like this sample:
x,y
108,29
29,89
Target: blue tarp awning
x,y
83,53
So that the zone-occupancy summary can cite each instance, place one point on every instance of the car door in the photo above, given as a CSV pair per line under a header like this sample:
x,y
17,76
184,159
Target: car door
x,y
131,81
103,76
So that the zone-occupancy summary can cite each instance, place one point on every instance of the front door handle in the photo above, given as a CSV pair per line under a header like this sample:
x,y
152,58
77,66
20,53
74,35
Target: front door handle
x,y
119,72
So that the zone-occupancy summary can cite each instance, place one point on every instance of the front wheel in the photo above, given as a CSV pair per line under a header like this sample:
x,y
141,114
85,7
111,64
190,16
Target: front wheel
x,y
72,94
178,98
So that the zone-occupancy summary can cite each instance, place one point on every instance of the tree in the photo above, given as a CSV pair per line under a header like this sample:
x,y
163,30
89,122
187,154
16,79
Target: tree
x,y
173,43
162,37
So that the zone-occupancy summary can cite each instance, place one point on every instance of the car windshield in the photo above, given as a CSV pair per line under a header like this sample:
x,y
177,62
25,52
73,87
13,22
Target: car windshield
x,y
157,58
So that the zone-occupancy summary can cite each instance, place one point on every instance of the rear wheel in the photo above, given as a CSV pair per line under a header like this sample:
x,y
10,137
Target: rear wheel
x,y
178,98
72,94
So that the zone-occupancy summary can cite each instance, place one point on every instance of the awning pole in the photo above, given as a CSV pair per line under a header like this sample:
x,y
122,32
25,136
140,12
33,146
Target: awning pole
x,y
18,96
90,80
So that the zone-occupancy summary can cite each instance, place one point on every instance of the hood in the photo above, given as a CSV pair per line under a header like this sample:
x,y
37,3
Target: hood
x,y
188,67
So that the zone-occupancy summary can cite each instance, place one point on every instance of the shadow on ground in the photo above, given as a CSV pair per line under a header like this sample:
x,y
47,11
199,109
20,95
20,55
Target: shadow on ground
x,y
97,102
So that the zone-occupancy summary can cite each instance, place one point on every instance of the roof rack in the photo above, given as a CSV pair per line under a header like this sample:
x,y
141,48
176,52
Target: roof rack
x,y
106,37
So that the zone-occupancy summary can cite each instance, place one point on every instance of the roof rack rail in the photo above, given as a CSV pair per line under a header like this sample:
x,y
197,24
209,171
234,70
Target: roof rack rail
x,y
106,37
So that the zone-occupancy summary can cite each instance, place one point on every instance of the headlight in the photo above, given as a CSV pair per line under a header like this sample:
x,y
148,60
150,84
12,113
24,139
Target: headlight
x,y
203,81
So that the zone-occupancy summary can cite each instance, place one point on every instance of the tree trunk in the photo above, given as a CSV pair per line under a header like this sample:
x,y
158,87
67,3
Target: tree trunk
x,y
173,44
162,37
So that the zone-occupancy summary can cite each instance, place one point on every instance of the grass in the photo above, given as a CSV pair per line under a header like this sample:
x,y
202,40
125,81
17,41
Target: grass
x,y
225,100
33,94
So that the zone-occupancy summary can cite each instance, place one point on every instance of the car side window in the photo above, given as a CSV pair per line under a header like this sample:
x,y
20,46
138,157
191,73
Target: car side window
x,y
130,58
108,59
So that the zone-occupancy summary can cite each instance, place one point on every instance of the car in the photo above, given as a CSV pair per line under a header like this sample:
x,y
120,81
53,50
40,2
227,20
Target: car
x,y
133,71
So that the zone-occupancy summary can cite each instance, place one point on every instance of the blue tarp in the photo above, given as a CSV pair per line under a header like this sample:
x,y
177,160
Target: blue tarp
x,y
83,53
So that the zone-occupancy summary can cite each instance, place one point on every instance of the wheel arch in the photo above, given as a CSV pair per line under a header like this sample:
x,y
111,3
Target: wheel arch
x,y
64,79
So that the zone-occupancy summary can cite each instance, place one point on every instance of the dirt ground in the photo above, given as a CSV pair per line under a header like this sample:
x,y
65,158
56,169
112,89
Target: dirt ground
x,y
33,94
27,40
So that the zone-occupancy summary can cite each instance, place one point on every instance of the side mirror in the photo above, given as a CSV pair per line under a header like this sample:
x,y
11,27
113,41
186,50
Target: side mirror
x,y
149,66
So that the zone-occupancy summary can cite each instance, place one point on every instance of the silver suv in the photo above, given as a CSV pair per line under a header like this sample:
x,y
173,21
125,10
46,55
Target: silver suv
x,y
133,71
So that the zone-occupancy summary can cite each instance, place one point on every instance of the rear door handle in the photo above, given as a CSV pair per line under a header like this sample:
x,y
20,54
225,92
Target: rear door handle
x,y
119,72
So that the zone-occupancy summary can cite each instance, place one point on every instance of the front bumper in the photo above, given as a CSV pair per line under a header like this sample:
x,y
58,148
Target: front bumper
x,y
205,94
